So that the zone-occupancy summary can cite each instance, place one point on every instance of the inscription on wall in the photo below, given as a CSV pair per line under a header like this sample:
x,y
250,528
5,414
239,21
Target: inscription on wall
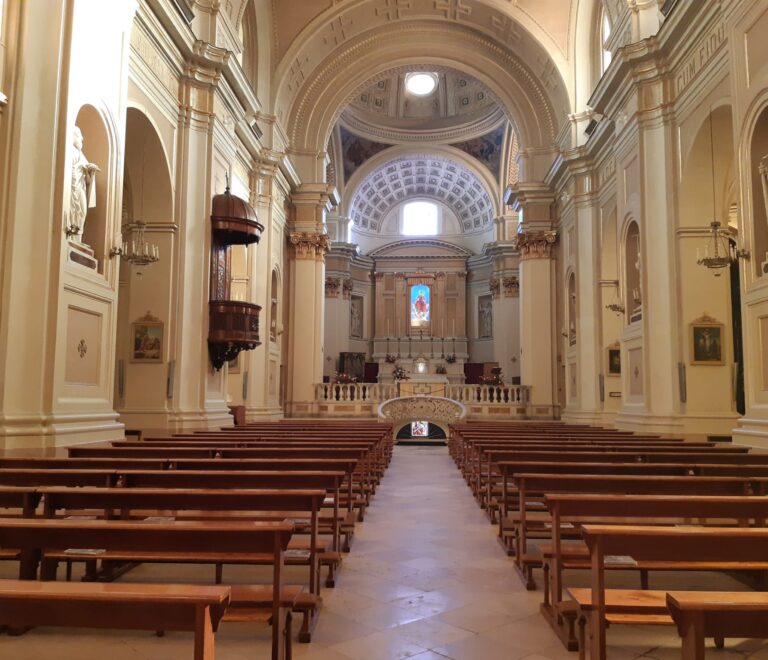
x,y
701,55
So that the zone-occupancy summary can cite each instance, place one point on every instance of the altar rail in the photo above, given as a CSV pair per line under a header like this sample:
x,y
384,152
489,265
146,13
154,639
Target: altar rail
x,y
362,399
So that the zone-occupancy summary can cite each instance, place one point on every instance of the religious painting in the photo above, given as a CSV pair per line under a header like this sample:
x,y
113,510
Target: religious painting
x,y
356,317
707,341
356,150
147,340
419,429
487,149
614,360
484,317
420,300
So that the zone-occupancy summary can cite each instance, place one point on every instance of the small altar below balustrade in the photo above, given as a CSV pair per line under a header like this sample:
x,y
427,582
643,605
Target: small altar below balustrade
x,y
424,384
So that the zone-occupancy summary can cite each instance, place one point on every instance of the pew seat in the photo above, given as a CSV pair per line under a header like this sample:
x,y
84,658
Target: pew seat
x,y
193,608
698,615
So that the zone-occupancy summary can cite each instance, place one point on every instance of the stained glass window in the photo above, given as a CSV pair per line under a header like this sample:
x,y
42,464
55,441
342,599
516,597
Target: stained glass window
x,y
420,306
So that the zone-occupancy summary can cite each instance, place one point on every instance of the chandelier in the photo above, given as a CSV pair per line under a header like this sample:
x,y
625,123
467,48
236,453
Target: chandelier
x,y
135,248
723,252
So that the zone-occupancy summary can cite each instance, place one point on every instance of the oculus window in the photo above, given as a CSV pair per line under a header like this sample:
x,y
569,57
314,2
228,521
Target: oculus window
x,y
421,83
420,219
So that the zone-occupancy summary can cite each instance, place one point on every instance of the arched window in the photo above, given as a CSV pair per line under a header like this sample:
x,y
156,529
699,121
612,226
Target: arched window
x,y
605,33
420,219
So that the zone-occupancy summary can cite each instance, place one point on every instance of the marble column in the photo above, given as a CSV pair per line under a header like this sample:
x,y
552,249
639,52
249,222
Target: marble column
x,y
537,345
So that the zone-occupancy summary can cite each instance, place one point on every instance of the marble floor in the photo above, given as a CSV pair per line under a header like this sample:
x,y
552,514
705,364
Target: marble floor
x,y
426,579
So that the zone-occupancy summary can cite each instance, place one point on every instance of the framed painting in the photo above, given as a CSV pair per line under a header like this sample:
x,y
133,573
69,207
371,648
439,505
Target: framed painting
x,y
233,366
707,338
147,340
420,303
614,360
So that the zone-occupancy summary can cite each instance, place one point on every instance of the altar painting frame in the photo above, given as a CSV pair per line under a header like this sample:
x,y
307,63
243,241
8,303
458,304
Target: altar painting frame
x,y
416,324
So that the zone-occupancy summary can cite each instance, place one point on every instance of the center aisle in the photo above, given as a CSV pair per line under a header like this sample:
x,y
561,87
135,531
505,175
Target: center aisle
x,y
427,579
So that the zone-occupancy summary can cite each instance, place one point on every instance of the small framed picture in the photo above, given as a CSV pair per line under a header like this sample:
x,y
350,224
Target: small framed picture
x,y
614,361
147,339
707,341
233,366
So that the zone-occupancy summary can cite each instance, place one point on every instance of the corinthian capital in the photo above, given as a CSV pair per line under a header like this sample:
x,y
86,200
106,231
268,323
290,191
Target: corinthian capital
x,y
536,244
309,245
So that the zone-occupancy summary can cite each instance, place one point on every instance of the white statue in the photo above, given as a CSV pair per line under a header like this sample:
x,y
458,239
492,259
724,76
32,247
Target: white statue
x,y
83,195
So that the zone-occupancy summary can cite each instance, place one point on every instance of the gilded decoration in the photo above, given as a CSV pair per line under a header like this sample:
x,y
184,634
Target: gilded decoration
x,y
309,245
511,287
536,244
332,285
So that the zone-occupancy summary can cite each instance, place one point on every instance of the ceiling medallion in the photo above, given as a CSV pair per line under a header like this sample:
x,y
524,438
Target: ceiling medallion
x,y
421,83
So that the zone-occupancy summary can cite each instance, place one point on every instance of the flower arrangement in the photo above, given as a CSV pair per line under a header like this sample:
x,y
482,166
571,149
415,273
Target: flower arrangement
x,y
399,373
494,380
340,378
390,358
441,369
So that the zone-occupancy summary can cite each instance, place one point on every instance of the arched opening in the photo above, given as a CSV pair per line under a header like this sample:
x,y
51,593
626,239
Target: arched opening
x,y
249,56
758,171
571,312
632,273
274,297
707,194
145,380
88,196
420,432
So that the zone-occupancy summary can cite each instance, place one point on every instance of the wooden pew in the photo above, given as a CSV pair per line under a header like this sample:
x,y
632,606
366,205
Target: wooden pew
x,y
540,484
699,615
269,539
128,503
568,512
598,605
192,608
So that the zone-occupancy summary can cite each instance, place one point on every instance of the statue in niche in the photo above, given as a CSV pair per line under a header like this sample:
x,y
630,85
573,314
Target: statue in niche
x,y
485,317
83,194
356,317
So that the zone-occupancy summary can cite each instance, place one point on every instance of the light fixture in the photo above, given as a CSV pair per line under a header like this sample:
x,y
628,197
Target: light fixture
x,y
615,305
723,252
421,83
135,249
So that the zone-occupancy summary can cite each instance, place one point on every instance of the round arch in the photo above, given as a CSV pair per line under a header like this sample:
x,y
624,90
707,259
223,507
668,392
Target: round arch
x,y
311,110
473,172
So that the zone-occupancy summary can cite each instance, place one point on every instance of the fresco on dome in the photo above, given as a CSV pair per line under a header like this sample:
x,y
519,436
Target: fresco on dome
x,y
487,149
420,302
356,150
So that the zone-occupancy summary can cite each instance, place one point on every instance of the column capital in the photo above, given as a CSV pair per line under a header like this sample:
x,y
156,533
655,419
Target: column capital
x,y
536,244
309,245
